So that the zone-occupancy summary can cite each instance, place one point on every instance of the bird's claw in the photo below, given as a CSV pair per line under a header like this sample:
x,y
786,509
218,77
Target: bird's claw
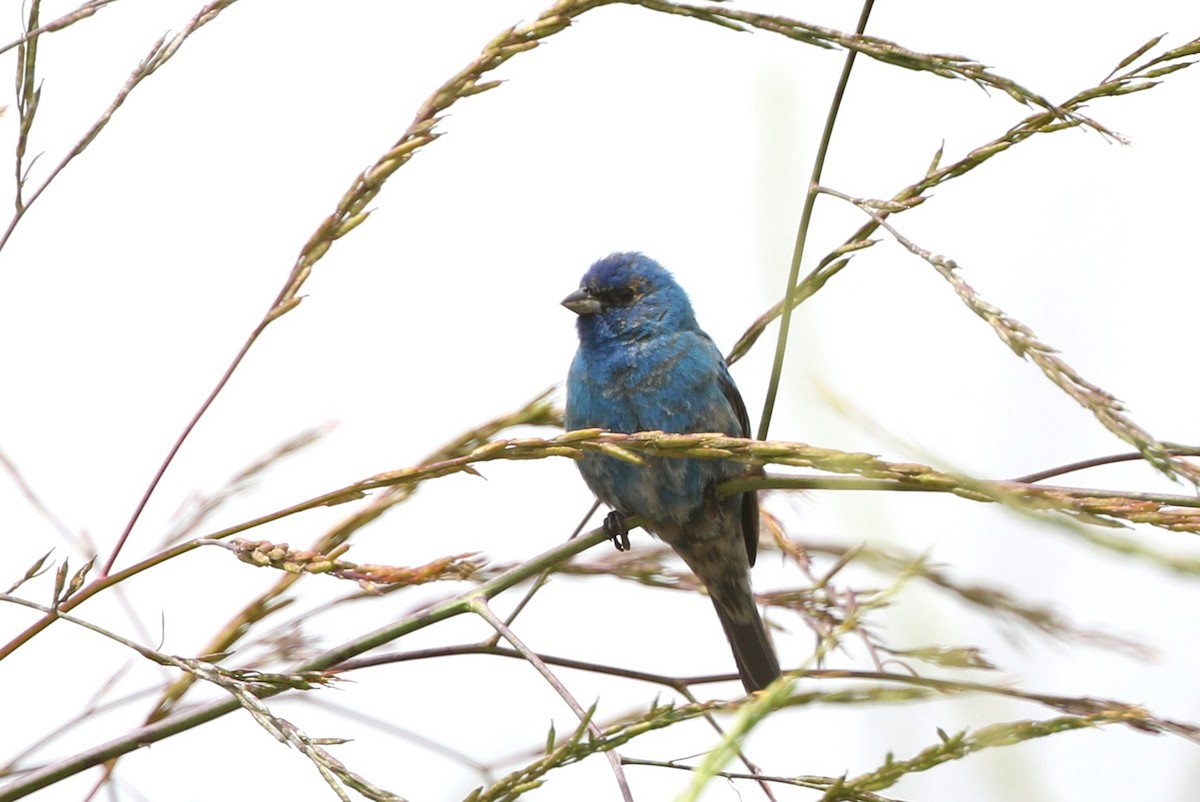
x,y
617,530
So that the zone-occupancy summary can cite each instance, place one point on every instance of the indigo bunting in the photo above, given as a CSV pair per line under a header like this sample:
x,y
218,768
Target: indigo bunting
x,y
643,363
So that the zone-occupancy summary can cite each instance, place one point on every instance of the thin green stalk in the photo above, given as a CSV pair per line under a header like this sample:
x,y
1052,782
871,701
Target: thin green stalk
x,y
810,198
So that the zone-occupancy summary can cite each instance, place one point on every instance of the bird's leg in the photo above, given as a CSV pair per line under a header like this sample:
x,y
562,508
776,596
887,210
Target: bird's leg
x,y
617,530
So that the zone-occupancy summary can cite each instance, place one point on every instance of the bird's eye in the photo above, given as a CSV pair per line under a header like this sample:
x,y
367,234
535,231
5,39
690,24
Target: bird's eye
x,y
614,296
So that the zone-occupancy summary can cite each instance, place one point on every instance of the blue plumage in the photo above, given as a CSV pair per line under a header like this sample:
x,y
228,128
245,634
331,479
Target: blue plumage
x,y
644,363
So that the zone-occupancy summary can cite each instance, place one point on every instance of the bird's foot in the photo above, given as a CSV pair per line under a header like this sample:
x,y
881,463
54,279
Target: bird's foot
x,y
617,530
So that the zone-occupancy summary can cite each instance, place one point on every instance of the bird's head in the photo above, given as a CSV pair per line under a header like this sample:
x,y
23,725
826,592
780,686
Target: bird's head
x,y
629,296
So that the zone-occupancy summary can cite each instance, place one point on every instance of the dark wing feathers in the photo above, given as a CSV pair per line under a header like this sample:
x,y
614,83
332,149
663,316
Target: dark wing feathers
x,y
749,500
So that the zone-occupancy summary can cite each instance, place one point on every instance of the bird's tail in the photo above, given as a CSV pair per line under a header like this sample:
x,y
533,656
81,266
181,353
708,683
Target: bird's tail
x,y
748,638
721,564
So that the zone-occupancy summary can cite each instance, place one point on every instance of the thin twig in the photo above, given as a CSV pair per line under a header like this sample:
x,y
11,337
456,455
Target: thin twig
x,y
1096,462
203,713
1024,343
482,609
160,53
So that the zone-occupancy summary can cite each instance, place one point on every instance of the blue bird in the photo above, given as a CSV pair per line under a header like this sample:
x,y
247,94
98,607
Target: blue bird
x,y
643,364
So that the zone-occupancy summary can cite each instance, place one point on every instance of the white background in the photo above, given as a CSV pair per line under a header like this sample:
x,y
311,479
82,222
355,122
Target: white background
x,y
134,280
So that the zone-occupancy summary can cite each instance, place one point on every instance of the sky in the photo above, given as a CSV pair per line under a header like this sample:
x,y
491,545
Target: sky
x,y
134,279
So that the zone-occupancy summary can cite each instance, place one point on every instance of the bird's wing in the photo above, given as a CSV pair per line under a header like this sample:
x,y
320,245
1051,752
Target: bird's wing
x,y
749,500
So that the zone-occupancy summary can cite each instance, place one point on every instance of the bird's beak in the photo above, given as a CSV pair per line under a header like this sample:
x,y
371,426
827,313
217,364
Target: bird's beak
x,y
581,302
